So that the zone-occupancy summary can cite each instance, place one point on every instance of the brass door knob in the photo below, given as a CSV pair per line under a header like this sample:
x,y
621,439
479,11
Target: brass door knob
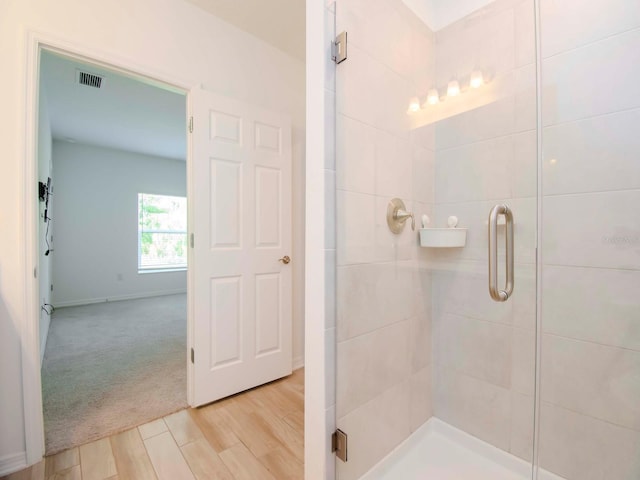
x,y
284,259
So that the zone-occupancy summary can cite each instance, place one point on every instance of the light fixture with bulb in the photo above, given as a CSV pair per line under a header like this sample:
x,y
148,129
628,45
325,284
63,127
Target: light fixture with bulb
x,y
414,105
476,80
453,88
433,97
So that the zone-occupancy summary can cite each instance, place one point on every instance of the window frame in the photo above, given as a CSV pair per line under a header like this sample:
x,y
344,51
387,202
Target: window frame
x,y
160,268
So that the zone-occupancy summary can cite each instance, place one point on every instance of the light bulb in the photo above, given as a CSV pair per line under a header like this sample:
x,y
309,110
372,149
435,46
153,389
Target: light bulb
x,y
453,88
476,79
433,97
414,105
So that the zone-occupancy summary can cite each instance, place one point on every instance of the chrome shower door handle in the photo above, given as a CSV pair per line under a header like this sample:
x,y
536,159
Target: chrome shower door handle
x,y
500,295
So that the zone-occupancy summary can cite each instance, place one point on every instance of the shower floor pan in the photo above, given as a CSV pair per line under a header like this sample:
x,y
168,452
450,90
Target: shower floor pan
x,y
438,451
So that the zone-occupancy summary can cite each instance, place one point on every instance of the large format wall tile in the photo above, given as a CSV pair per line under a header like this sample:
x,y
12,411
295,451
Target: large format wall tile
x,y
421,398
375,429
597,305
571,23
595,380
592,230
593,80
475,172
523,367
355,228
477,407
421,341
522,426
371,296
474,347
393,168
423,175
356,150
467,294
496,119
581,447
485,40
374,94
592,155
525,41
524,165
370,364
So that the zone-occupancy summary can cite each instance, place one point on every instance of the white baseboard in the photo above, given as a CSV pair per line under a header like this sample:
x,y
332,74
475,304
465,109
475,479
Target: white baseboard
x,y
298,362
13,463
117,298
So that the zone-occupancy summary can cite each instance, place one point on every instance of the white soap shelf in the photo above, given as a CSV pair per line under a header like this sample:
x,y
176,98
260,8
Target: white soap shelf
x,y
443,237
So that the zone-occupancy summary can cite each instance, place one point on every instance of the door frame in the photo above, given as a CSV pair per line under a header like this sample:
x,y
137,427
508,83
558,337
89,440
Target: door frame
x,y
30,338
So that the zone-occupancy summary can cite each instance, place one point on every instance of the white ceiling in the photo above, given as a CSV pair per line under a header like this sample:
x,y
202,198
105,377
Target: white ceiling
x,y
437,14
278,22
124,113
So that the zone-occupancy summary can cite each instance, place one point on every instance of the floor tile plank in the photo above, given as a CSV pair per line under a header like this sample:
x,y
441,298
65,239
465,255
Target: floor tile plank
x,y
152,429
243,465
61,461
257,439
205,462
167,459
183,428
214,428
283,465
132,460
72,473
295,420
96,460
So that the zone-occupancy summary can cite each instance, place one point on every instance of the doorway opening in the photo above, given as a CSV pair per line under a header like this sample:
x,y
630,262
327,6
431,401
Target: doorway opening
x,y
113,250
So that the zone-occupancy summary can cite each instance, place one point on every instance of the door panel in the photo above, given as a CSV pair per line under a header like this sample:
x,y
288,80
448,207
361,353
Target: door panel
x,y
242,227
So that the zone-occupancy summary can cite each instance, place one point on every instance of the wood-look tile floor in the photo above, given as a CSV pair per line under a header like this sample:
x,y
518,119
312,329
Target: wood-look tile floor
x,y
255,435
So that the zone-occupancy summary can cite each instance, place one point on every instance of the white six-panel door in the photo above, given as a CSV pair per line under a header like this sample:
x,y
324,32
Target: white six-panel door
x,y
241,219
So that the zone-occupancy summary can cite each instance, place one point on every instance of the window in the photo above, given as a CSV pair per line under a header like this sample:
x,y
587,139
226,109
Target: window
x,y
162,232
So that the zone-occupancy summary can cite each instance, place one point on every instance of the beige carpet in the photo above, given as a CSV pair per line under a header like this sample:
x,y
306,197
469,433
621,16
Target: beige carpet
x,y
112,366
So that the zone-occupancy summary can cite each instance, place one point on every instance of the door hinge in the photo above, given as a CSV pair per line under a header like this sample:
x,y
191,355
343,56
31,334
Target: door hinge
x,y
190,124
339,444
191,240
340,48
193,356
35,273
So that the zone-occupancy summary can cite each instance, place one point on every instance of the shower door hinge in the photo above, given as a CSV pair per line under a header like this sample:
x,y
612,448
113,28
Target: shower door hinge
x,y
191,241
193,356
339,444
190,124
340,48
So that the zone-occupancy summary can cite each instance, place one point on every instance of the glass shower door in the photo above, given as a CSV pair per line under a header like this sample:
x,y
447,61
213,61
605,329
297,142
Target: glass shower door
x,y
590,250
436,109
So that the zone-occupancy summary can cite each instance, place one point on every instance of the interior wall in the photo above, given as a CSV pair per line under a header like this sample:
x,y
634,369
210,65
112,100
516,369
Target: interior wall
x,y
96,242
590,372
383,366
44,171
485,142
172,38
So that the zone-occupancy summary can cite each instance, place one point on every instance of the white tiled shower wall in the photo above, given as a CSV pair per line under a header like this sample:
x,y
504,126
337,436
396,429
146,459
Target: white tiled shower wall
x,y
383,300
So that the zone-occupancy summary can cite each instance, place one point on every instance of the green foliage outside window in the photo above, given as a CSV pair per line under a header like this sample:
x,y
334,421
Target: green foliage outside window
x,y
162,232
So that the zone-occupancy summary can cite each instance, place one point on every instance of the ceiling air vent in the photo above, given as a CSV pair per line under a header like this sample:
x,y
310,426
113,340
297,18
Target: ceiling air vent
x,y
89,79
